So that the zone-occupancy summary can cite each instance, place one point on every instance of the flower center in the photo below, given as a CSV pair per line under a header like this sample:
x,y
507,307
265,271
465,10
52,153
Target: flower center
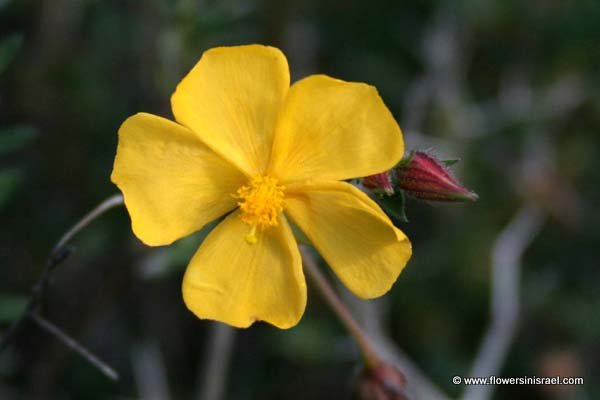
x,y
260,202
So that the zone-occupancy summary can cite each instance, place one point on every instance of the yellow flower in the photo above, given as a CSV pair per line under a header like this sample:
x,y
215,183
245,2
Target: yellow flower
x,y
248,144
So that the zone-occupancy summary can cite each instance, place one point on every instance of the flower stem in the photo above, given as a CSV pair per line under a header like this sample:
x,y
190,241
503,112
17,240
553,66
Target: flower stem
x,y
370,355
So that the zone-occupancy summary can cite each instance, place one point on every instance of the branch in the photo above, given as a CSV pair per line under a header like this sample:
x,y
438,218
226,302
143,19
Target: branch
x,y
57,255
112,202
75,346
387,379
507,253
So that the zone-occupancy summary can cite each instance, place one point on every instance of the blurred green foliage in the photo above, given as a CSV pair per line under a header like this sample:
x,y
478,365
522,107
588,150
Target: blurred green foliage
x,y
496,83
8,48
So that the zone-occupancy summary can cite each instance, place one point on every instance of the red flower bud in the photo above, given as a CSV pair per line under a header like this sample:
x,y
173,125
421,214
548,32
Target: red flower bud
x,y
379,183
425,177
382,382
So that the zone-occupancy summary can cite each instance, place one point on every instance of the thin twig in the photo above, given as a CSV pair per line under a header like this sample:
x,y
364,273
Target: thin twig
x,y
505,302
372,359
112,202
74,345
370,355
56,257
59,253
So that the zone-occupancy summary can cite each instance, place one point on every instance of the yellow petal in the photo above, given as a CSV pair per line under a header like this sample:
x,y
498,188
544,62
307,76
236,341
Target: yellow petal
x,y
231,98
172,183
331,129
353,235
231,281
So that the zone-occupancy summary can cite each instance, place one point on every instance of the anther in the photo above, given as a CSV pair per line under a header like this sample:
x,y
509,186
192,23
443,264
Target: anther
x,y
260,203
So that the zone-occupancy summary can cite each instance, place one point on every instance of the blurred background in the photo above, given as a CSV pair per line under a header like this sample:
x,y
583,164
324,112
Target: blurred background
x,y
510,87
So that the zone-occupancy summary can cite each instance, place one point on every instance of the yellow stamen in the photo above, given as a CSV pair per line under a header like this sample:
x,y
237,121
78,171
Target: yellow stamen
x,y
251,236
261,201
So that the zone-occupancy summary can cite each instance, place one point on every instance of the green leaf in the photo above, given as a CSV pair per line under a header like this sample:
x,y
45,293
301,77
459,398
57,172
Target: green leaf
x,y
10,180
15,137
8,49
11,307
451,162
394,205
406,160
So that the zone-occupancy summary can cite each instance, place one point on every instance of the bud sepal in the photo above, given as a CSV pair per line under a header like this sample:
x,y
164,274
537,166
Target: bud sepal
x,y
425,177
380,183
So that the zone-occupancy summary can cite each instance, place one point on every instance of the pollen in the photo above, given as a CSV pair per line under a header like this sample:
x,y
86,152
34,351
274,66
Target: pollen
x,y
260,202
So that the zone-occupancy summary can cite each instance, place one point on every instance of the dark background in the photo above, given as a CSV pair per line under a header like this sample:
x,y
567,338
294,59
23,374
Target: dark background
x,y
511,87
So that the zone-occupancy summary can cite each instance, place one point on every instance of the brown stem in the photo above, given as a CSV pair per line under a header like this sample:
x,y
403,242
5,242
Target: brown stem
x,y
370,355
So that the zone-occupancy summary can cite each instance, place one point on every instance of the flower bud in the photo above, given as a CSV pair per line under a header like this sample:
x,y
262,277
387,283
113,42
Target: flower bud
x,y
381,183
425,177
382,382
